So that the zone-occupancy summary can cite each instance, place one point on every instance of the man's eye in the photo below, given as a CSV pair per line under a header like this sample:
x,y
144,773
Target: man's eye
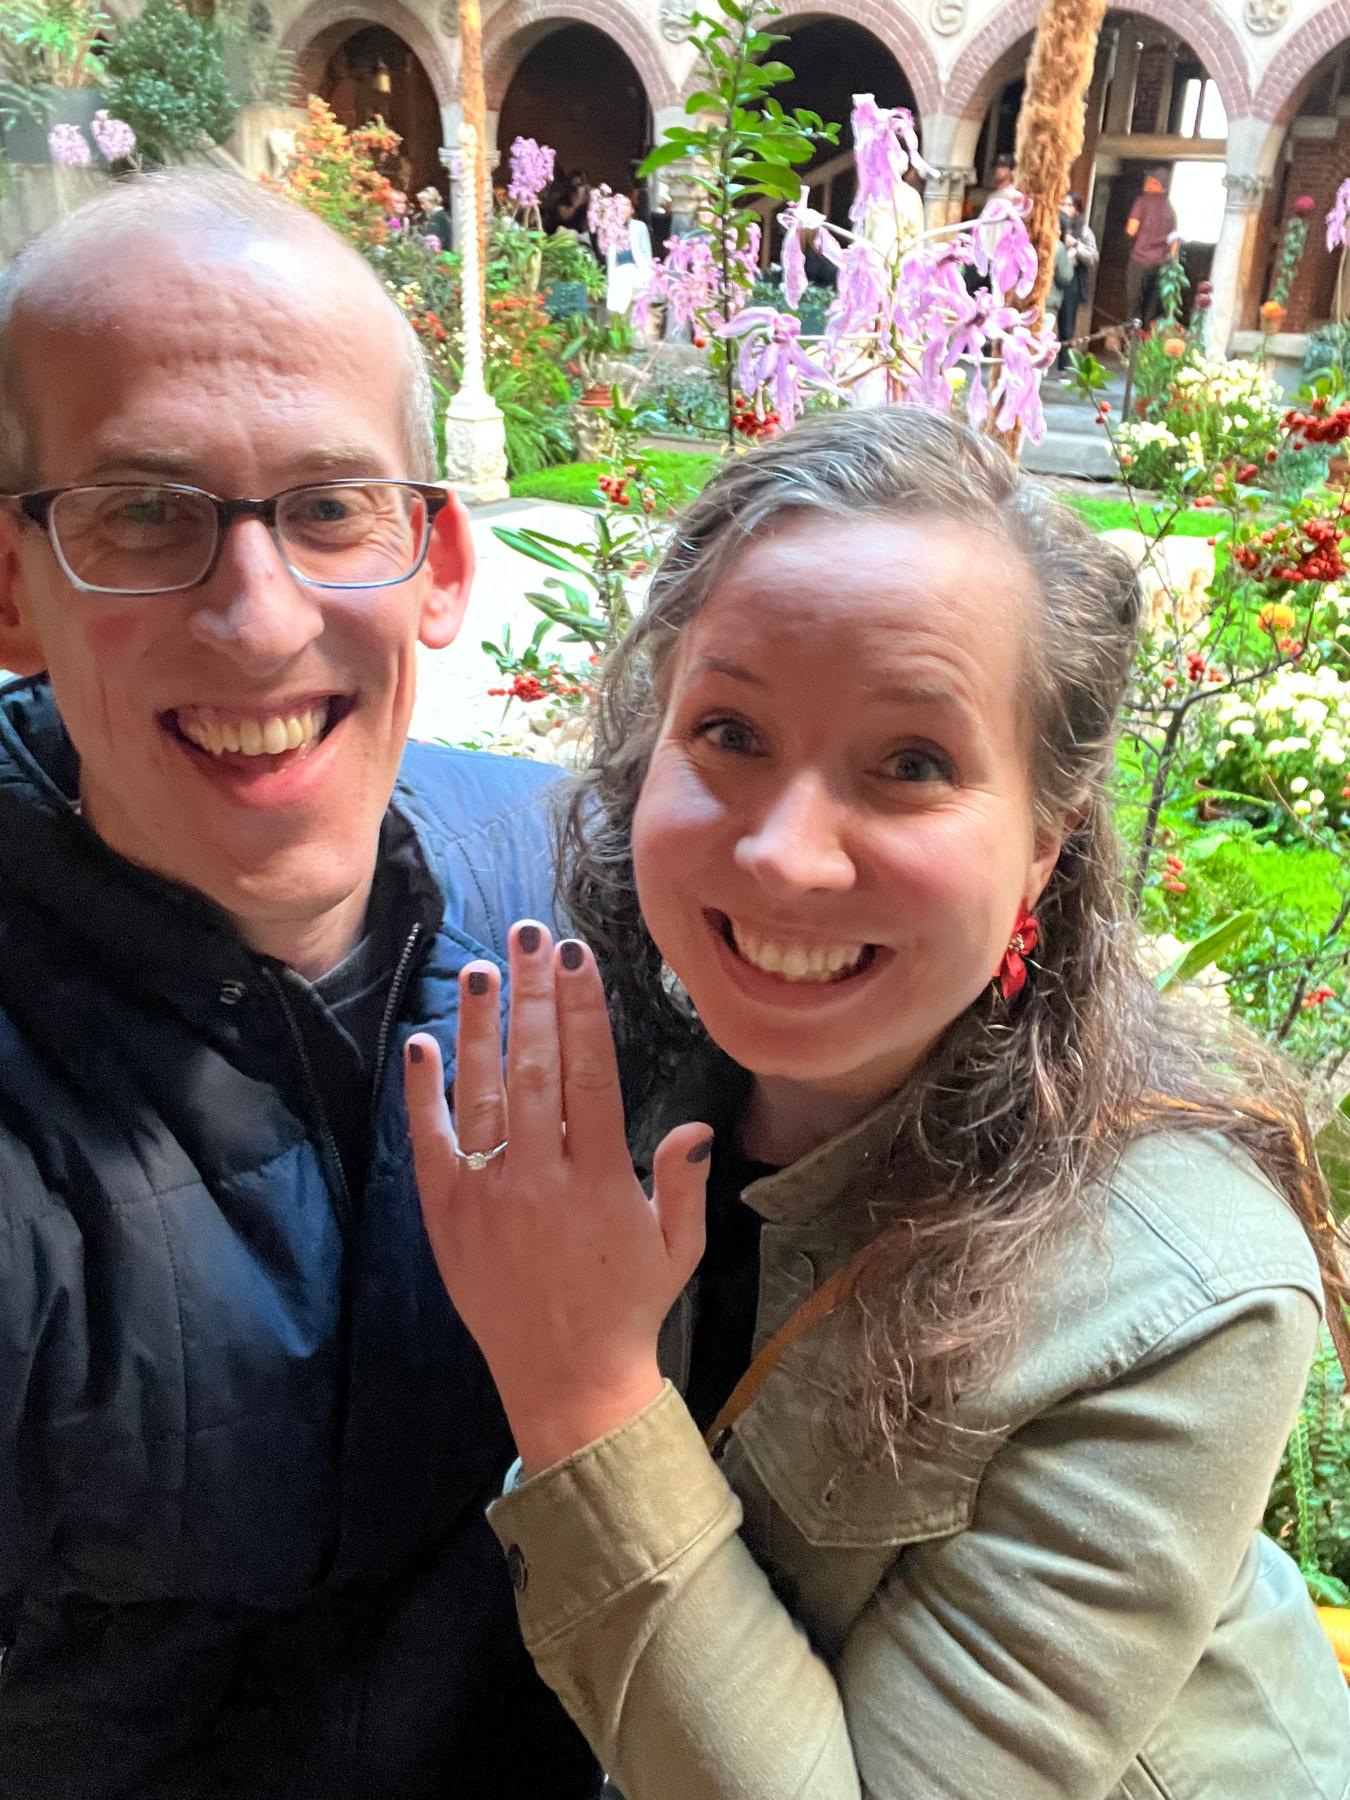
x,y
918,766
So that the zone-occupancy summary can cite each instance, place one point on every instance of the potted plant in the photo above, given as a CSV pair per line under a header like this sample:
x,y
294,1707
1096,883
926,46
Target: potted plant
x,y
51,71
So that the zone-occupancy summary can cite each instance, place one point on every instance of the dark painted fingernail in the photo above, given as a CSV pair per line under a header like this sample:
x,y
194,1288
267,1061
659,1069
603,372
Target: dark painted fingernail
x,y
478,982
529,939
701,1152
414,1053
572,954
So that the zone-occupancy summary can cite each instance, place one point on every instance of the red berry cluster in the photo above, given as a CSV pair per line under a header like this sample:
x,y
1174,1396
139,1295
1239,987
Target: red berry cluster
x,y
1317,996
527,687
747,421
615,487
1317,425
1300,550
1197,669
1171,880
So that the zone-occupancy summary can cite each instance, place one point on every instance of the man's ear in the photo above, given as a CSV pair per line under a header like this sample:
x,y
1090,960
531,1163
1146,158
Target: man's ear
x,y
19,649
450,563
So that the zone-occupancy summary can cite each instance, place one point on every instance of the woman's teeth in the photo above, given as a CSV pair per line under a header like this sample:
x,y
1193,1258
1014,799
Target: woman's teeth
x,y
793,963
270,736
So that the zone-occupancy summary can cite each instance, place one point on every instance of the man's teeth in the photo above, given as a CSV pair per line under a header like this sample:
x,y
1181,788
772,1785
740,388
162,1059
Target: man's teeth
x,y
203,726
793,963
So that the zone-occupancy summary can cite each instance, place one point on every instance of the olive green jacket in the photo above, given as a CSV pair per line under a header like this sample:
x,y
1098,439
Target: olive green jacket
x,y
1082,1611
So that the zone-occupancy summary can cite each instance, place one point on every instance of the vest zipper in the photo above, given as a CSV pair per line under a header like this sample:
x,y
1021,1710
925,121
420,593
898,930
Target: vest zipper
x,y
396,987
329,1159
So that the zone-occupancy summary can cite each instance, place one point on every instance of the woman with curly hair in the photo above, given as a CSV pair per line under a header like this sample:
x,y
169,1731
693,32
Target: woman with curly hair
x,y
937,1468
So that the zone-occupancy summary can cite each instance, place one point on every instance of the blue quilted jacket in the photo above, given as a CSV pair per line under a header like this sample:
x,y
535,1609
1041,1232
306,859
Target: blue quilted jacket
x,y
245,1443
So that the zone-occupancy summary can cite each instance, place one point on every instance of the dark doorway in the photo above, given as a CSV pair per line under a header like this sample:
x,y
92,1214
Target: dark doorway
x,y
374,72
577,91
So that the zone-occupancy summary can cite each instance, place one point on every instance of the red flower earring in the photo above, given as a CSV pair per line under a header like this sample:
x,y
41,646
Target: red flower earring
x,y
1011,974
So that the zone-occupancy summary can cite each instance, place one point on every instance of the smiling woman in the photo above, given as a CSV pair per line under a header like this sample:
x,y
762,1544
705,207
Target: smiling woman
x,y
972,1279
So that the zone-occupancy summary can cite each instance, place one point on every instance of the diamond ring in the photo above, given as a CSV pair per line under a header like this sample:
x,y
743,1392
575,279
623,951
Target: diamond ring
x,y
479,1159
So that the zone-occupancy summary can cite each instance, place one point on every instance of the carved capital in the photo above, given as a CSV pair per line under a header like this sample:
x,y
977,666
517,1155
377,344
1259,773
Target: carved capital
x,y
947,17
948,183
1245,192
674,19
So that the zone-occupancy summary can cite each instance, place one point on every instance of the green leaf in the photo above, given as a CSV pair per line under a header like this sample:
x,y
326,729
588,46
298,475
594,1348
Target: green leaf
x,y
527,544
1216,942
776,72
772,177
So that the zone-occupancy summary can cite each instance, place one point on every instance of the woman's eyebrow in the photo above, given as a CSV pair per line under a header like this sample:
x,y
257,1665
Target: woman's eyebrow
x,y
719,665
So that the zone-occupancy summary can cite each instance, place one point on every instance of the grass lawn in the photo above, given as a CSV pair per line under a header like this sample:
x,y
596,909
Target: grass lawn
x,y
1106,514
683,473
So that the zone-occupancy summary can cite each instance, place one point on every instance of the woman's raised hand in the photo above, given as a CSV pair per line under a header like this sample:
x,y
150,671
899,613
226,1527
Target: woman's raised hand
x,y
554,1257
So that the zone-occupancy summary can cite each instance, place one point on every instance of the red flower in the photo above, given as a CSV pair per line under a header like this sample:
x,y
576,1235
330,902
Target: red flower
x,y
1011,974
1304,205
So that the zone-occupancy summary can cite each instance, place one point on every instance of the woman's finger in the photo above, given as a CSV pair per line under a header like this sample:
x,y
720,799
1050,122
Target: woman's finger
x,y
433,1136
592,1102
533,1058
480,1088
680,1191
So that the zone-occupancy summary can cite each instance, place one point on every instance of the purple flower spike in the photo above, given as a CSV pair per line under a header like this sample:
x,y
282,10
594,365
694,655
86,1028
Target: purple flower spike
x,y
796,219
1002,249
884,147
1338,219
69,147
114,137
772,360
531,171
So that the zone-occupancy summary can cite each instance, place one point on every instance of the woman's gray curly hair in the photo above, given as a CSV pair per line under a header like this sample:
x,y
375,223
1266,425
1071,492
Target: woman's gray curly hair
x,y
1018,1109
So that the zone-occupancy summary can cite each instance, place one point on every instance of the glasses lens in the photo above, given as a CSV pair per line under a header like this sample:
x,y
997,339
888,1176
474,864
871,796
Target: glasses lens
x,y
356,533
133,540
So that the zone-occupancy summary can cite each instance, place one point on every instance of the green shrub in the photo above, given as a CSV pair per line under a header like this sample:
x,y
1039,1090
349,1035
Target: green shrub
x,y
168,81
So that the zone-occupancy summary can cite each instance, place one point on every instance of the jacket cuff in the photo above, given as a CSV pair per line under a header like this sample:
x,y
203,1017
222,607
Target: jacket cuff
x,y
611,1516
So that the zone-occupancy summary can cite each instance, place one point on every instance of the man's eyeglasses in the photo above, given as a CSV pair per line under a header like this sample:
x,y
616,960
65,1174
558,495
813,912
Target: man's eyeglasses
x,y
158,538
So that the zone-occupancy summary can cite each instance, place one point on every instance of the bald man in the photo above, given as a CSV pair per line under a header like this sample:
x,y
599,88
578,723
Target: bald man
x,y
245,1444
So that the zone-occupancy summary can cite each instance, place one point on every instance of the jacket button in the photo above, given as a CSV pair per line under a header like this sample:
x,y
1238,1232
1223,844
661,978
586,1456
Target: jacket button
x,y
230,993
515,1562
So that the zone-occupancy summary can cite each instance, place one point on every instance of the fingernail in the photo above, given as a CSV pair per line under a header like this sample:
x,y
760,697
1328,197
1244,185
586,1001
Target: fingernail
x,y
529,938
414,1053
478,982
572,954
701,1152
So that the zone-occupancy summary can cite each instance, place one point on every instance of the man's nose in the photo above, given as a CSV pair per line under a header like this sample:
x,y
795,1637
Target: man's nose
x,y
253,608
800,842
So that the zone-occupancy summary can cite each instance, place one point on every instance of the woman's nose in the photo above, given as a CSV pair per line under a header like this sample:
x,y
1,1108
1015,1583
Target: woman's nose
x,y
253,608
800,841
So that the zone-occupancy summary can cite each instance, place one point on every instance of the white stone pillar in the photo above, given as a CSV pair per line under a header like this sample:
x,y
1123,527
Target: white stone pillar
x,y
1233,254
944,195
475,436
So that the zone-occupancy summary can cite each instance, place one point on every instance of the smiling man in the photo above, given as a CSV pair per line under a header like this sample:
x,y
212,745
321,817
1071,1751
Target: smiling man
x,y
244,1442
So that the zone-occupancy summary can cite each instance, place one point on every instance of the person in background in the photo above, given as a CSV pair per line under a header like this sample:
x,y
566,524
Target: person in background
x,y
1079,241
627,263
574,206
1150,228
434,220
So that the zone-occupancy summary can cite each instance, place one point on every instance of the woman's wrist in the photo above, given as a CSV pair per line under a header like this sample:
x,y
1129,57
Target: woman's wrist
x,y
548,1431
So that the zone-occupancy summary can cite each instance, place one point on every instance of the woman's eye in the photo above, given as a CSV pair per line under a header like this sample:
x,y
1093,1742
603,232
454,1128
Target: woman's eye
x,y
918,765
728,734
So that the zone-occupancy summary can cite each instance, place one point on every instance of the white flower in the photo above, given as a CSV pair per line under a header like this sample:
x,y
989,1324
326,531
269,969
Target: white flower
x,y
1242,727
1317,797
1302,808
1298,784
1225,748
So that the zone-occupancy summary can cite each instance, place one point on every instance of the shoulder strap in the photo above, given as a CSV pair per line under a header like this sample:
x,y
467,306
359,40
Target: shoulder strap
x,y
816,1306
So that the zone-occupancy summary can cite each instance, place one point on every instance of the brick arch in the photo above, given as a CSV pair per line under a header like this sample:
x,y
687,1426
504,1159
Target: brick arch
x,y
969,87
515,28
893,28
326,20
1296,59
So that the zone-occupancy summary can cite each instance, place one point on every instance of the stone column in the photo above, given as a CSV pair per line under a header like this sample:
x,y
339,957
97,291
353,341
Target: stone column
x,y
943,196
1233,254
475,437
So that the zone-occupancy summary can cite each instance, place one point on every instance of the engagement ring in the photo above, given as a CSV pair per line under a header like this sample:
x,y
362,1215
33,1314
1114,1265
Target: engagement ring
x,y
479,1159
